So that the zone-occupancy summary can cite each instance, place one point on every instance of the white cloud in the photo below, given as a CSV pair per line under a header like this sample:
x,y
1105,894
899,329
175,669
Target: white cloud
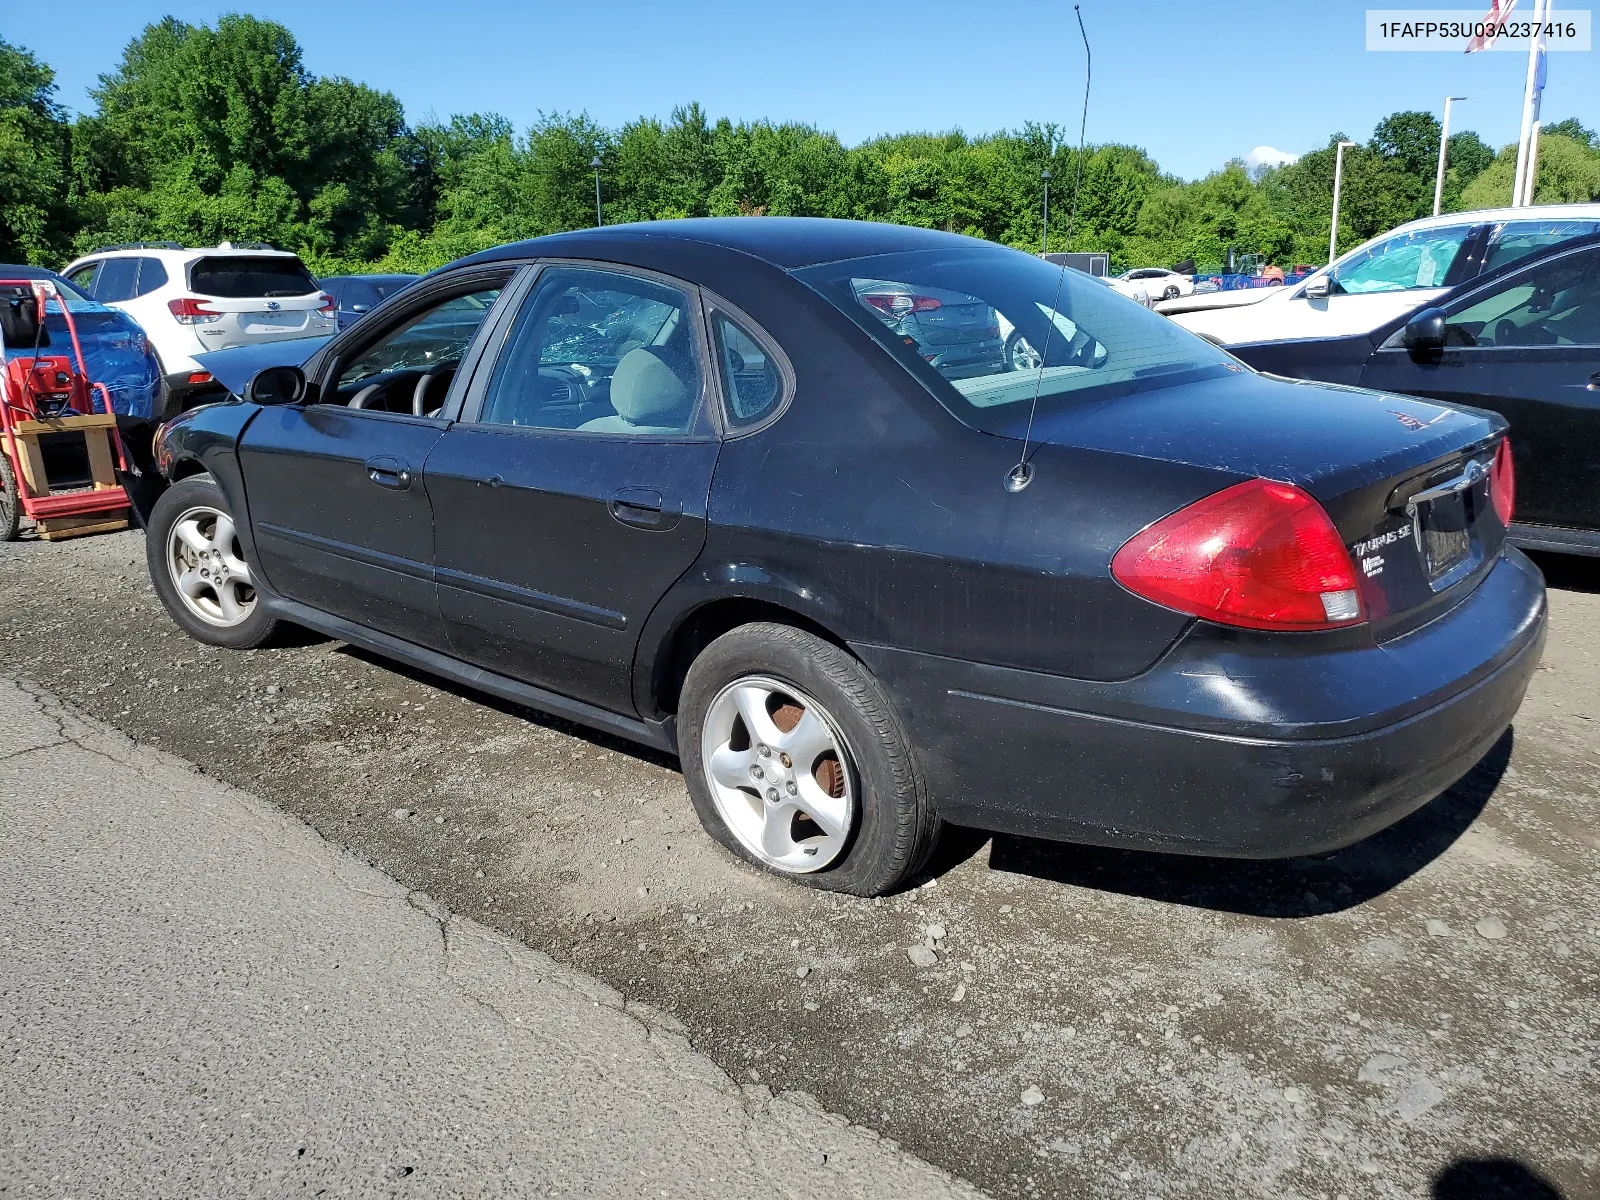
x,y
1268,156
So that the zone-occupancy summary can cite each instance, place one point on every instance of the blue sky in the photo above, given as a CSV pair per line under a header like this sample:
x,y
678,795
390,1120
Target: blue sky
x,y
1193,83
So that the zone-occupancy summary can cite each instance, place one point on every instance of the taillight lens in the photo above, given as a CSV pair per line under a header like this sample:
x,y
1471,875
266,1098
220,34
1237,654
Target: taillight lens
x,y
1261,555
191,311
898,304
1503,482
329,305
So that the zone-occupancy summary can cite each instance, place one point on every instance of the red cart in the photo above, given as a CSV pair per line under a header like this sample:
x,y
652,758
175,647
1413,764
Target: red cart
x,y
44,394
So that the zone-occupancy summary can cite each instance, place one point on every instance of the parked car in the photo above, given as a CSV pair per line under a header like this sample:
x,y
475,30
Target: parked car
x,y
190,301
354,295
1115,599
115,349
955,332
1380,280
1157,283
1522,340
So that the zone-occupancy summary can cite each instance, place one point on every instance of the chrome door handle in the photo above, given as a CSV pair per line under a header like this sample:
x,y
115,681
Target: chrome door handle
x,y
389,473
1594,382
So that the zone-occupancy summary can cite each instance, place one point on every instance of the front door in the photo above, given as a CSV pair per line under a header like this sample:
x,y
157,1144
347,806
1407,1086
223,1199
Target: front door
x,y
1528,347
575,493
340,511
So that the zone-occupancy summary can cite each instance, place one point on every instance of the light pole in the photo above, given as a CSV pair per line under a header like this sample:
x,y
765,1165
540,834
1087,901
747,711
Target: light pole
x,y
1444,138
1045,175
595,163
1338,179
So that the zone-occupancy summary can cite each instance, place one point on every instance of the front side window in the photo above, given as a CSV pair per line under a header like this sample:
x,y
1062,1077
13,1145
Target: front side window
x,y
1419,259
1517,239
409,369
1553,304
599,352
752,385
83,278
987,328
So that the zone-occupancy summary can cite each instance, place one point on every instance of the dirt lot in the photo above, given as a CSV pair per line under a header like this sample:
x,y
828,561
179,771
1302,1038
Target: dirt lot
x,y
1378,1023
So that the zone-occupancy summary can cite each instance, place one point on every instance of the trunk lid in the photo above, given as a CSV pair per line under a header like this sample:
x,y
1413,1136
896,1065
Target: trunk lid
x,y
1405,481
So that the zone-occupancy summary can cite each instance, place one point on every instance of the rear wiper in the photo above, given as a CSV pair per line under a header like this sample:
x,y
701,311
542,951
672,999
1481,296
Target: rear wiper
x,y
286,292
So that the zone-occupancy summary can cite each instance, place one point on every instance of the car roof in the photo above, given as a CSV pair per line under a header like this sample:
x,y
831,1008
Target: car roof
x,y
379,276
185,252
18,271
788,243
1493,216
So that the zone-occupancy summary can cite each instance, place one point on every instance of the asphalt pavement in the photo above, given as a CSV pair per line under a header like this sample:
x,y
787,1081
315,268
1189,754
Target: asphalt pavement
x,y
1415,1017
200,997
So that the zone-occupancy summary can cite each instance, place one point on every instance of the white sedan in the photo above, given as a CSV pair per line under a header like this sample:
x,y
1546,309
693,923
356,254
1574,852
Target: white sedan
x,y
1156,282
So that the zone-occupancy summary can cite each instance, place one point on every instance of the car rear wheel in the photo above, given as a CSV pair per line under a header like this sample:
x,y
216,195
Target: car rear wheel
x,y
10,502
198,567
797,763
1171,293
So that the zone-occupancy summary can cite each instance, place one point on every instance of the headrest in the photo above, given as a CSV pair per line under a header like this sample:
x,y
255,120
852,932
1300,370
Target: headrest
x,y
645,389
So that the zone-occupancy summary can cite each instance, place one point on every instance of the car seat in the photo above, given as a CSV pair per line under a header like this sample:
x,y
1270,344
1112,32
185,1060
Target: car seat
x,y
649,395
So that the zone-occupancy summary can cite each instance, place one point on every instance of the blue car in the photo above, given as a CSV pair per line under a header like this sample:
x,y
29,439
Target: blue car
x,y
358,294
115,350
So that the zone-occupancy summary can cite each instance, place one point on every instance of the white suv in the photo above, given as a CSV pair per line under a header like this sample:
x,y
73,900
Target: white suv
x,y
192,301
1379,280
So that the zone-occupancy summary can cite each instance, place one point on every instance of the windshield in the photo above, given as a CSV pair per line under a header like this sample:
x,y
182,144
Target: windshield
x,y
976,326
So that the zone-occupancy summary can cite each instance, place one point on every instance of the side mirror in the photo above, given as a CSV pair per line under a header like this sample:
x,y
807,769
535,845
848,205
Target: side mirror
x,y
276,385
1316,289
1425,331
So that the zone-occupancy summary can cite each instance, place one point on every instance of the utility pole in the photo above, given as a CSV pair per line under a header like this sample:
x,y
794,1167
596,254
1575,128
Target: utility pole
x,y
1045,175
1338,180
1444,139
595,163
1521,189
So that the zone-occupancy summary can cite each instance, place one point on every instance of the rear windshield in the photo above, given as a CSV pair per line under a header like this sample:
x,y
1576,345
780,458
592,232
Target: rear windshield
x,y
236,278
986,328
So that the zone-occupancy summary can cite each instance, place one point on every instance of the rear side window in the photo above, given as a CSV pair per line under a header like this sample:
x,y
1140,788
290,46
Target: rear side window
x,y
119,278
152,275
1518,239
751,383
240,278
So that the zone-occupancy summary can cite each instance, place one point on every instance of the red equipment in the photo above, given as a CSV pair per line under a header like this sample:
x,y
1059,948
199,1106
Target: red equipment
x,y
50,394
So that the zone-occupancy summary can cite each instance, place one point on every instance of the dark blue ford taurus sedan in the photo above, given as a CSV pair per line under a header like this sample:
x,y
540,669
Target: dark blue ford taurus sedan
x,y
683,482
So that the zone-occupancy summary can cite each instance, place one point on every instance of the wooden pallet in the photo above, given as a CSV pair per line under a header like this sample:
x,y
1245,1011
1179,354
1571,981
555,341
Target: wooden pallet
x,y
101,508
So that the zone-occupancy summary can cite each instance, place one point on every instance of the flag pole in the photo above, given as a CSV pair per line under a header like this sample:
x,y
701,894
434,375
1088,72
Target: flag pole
x,y
1530,103
1444,140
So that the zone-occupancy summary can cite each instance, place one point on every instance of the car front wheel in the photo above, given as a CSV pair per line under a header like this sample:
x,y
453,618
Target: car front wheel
x,y
1171,293
198,567
797,763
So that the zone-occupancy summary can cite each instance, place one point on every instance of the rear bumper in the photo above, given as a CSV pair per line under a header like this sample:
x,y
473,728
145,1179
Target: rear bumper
x,y
1228,746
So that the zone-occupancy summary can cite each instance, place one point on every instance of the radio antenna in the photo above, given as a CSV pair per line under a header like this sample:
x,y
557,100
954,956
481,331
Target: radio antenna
x,y
1021,475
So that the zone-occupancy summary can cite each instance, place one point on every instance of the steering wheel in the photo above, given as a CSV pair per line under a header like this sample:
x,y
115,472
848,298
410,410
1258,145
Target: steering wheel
x,y
419,394
359,400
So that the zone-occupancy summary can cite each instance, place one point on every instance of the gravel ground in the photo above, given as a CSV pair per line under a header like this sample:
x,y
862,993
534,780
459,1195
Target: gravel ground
x,y
1416,1016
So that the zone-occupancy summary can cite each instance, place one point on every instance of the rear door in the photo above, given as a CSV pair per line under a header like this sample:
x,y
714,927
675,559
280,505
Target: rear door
x,y
1527,347
341,514
574,493
258,298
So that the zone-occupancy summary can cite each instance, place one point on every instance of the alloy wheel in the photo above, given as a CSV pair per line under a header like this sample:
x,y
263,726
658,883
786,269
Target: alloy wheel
x,y
207,568
780,773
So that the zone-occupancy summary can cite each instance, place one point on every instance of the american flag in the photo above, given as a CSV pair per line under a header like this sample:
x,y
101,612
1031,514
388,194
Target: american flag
x,y
1491,20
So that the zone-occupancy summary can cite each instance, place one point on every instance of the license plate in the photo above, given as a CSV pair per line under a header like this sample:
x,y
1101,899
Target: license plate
x,y
1446,538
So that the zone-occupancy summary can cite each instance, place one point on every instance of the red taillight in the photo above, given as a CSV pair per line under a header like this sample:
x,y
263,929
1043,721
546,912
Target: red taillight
x,y
191,311
199,376
1260,554
329,305
898,304
1503,483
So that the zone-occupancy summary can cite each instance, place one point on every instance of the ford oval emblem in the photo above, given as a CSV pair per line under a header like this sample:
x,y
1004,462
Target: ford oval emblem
x,y
273,305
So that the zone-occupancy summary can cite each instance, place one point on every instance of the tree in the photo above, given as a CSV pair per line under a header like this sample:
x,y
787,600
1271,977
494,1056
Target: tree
x,y
34,151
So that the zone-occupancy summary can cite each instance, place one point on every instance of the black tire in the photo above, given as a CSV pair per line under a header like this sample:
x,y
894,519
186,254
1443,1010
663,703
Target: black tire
x,y
10,502
198,491
895,827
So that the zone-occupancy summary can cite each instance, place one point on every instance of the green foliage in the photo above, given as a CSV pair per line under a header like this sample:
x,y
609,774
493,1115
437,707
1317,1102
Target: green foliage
x,y
202,133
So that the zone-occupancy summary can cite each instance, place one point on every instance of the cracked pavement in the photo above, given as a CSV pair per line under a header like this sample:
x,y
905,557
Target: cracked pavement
x,y
1379,1023
201,997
